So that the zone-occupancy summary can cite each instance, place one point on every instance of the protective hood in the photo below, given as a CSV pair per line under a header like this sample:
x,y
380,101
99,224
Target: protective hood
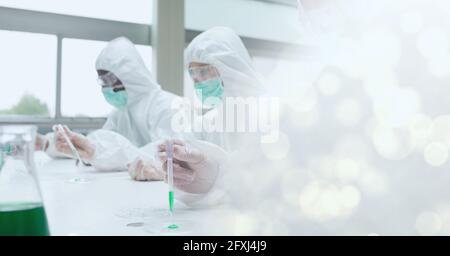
x,y
223,49
122,59
146,118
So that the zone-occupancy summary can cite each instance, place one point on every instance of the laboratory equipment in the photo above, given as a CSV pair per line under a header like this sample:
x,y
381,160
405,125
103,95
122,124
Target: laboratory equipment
x,y
21,208
170,175
75,153
162,221
169,224
151,212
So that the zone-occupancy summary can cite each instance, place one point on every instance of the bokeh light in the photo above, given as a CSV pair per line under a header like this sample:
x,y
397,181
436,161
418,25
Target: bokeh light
x,y
322,201
347,169
278,150
436,154
428,223
433,43
420,128
396,106
373,183
305,119
348,112
411,22
440,130
329,83
393,143
365,127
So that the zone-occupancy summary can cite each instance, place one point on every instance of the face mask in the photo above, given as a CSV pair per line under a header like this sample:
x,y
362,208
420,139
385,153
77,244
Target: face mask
x,y
212,88
117,99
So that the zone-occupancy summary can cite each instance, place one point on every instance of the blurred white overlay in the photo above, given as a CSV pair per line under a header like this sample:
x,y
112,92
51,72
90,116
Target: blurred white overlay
x,y
364,131
258,115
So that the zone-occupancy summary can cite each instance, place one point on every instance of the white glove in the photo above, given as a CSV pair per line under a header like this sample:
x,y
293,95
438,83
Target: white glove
x,y
47,144
84,146
193,171
40,143
144,170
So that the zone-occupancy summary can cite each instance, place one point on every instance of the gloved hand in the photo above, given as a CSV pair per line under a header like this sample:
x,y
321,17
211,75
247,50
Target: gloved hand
x,y
193,171
142,170
41,143
85,148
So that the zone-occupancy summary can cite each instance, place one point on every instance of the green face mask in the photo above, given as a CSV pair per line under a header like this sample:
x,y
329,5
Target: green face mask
x,y
212,88
117,99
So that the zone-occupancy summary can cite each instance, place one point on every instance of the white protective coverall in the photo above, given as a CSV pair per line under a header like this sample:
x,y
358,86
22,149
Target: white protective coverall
x,y
146,118
223,49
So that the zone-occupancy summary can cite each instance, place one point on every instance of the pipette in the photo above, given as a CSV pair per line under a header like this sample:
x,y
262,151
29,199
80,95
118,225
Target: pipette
x,y
170,175
170,182
71,146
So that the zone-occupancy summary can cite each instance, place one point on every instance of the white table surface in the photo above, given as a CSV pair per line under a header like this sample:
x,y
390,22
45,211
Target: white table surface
x,y
92,208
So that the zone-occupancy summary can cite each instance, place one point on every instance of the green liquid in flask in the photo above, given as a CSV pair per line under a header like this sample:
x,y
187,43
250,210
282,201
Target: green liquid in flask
x,y
23,219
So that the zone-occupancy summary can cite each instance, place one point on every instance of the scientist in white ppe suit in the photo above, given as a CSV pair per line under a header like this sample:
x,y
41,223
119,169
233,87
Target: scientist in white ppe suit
x,y
220,67
141,117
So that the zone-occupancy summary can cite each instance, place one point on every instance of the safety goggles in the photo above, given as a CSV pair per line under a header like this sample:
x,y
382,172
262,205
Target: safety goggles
x,y
203,73
107,80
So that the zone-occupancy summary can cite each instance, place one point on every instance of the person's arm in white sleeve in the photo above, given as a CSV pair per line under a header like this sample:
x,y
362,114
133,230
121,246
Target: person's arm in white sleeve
x,y
84,147
104,150
113,152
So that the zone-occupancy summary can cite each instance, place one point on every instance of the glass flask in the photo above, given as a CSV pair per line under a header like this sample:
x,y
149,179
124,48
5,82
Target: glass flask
x,y
21,208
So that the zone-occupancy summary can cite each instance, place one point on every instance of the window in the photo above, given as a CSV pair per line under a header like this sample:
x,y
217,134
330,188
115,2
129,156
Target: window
x,y
80,95
35,93
136,11
28,65
247,18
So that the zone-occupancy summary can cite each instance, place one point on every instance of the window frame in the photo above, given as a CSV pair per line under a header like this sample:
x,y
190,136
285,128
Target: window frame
x,y
21,20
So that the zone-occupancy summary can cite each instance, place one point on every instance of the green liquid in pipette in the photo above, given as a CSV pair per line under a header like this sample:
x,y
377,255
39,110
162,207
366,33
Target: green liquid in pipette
x,y
171,201
171,198
23,219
